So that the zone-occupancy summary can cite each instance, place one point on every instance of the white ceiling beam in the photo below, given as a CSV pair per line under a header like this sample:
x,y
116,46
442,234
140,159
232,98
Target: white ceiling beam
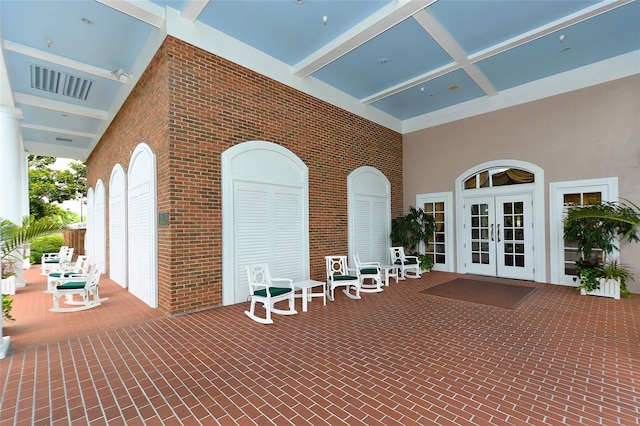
x,y
144,11
63,107
376,24
193,9
547,29
410,83
57,130
55,59
451,46
467,63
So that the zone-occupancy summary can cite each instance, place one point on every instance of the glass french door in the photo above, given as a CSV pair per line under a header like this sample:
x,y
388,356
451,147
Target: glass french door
x,y
499,236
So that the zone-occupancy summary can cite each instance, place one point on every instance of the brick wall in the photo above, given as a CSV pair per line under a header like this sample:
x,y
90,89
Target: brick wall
x,y
190,106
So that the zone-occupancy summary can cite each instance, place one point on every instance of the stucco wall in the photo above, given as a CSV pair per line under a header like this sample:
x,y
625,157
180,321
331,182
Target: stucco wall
x,y
590,133
189,107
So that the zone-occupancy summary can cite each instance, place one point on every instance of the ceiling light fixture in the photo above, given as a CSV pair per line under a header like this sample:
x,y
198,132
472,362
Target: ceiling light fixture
x,y
325,19
49,43
120,75
299,1
563,48
383,60
87,21
454,87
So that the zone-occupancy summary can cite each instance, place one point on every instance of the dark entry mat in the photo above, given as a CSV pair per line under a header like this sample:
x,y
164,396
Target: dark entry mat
x,y
483,292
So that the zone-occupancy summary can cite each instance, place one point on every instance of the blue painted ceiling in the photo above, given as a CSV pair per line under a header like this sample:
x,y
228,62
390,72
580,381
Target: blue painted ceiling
x,y
404,64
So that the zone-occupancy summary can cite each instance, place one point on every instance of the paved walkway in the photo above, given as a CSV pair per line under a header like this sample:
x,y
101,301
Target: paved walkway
x,y
398,357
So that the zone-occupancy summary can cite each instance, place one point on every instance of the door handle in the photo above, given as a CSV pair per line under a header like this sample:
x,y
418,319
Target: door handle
x,y
492,232
498,232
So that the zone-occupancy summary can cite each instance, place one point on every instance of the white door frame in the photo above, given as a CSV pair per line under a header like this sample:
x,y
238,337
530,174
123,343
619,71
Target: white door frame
x,y
609,189
536,190
265,163
447,199
369,183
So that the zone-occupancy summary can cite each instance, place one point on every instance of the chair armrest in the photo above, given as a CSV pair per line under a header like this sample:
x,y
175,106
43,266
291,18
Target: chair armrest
x,y
288,282
370,264
71,277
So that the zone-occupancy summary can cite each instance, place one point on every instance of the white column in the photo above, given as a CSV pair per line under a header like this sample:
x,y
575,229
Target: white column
x,y
11,180
11,165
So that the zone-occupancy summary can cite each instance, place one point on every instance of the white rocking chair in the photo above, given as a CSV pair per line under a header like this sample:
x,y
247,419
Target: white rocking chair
x,y
85,286
368,271
405,263
61,259
268,291
80,267
339,275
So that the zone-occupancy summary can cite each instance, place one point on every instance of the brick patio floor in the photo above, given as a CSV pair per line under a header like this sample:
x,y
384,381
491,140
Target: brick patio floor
x,y
394,358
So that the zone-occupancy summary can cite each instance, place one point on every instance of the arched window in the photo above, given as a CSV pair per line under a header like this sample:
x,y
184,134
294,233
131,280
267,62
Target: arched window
x,y
498,177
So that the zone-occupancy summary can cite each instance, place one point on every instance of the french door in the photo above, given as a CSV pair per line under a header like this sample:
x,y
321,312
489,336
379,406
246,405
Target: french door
x,y
499,236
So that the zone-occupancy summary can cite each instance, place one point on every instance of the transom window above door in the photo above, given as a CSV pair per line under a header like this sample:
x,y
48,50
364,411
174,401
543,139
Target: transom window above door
x,y
498,177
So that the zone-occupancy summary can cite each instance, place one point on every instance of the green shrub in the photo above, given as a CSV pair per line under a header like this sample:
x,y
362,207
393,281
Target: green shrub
x,y
36,257
46,244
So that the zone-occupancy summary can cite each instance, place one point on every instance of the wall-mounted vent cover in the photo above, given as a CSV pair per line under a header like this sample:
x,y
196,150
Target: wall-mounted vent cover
x,y
59,139
60,83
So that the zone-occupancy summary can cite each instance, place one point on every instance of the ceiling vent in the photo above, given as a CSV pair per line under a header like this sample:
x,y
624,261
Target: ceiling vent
x,y
59,139
45,79
60,83
76,87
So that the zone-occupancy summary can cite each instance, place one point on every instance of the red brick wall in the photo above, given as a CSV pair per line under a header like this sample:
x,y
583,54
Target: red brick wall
x,y
190,106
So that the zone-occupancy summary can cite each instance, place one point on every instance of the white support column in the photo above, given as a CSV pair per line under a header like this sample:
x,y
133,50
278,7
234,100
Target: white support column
x,y
11,180
11,165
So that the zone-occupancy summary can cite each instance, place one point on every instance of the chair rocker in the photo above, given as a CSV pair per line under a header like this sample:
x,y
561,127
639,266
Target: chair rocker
x,y
80,267
85,286
368,271
268,291
405,263
339,275
61,259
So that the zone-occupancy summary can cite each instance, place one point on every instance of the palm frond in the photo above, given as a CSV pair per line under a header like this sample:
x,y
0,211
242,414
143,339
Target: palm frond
x,y
13,236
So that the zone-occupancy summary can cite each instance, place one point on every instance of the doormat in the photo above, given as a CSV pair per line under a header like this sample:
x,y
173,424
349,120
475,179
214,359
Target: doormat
x,y
483,292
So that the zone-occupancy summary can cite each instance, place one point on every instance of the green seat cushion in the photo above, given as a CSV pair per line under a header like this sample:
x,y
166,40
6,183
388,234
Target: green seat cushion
x,y
407,262
273,291
369,271
62,274
71,285
344,277
52,261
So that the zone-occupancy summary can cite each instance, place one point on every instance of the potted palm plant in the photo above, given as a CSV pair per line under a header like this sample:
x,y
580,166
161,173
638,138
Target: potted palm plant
x,y
596,228
12,238
411,230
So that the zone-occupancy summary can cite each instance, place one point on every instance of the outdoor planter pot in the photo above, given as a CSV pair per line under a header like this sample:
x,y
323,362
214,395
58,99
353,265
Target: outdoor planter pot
x,y
8,285
606,288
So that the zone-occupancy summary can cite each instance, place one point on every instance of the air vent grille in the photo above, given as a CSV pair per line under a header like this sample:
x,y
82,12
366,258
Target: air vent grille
x,y
60,83
45,79
59,139
76,87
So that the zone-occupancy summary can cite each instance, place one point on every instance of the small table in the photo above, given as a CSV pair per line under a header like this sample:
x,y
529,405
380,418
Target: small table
x,y
390,271
306,295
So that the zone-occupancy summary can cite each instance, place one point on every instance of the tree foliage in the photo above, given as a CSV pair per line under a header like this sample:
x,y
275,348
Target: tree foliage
x,y
48,185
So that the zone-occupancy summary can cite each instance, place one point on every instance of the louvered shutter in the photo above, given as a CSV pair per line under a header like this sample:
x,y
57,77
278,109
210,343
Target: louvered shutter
x,y
288,233
99,242
117,228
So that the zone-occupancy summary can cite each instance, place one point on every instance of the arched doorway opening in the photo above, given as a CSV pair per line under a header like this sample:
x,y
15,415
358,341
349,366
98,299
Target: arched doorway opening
x,y
500,220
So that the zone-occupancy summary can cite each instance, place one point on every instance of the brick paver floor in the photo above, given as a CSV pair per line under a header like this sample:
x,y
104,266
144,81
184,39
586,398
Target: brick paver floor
x,y
398,357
